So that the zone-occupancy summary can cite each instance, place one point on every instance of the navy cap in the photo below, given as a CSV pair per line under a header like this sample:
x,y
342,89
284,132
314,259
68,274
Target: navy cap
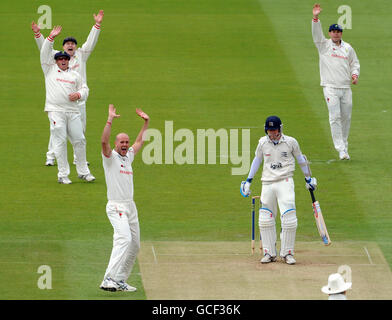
x,y
335,26
70,39
62,54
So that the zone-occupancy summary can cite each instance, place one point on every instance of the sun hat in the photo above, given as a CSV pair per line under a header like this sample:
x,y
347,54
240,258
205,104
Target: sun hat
x,y
336,284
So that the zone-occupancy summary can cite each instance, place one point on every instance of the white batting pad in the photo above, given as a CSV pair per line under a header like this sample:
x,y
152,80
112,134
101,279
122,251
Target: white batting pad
x,y
268,232
287,235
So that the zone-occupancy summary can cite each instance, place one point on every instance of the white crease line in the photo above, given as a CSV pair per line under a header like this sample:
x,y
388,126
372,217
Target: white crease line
x,y
155,256
203,254
252,263
367,252
246,254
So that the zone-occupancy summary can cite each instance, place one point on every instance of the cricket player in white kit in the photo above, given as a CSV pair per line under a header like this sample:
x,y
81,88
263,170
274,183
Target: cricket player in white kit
x,y
64,88
339,68
121,208
78,61
279,152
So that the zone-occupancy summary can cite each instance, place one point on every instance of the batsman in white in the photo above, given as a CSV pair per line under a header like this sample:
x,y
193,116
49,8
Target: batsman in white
x,y
77,63
121,209
339,68
278,151
64,88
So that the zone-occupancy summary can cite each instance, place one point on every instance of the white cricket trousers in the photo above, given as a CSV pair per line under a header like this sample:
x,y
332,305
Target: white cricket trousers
x,y
126,239
280,193
65,125
50,154
339,103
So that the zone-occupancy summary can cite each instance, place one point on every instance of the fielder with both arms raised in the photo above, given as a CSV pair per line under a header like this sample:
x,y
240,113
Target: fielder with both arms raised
x,y
278,151
121,209
77,62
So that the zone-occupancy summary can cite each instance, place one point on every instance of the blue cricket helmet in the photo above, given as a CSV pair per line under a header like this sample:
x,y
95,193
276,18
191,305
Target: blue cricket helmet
x,y
273,123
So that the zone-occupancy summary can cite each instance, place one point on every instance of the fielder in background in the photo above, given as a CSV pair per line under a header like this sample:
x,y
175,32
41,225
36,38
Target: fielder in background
x,y
278,151
336,287
77,63
121,209
339,68
64,88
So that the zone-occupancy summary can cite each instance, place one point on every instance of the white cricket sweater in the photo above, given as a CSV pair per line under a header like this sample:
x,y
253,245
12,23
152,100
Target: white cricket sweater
x,y
59,84
278,159
79,59
337,62
119,175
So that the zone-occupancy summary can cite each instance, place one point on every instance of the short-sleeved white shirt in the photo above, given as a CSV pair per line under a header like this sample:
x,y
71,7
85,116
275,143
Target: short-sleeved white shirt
x,y
278,159
119,175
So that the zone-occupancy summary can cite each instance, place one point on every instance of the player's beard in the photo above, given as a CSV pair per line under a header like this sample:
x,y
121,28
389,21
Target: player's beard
x,y
275,137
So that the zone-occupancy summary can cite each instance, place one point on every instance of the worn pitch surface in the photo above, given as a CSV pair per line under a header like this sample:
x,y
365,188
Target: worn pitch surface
x,y
228,270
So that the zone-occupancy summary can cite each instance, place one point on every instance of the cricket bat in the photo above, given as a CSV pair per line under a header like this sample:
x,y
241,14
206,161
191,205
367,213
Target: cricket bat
x,y
320,223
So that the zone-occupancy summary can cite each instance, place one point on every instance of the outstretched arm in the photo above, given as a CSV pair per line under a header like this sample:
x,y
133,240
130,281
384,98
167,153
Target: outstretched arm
x,y
139,140
317,33
92,38
39,38
46,56
106,149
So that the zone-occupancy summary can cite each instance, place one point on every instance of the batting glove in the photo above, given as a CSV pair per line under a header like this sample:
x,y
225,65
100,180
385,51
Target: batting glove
x,y
311,183
245,188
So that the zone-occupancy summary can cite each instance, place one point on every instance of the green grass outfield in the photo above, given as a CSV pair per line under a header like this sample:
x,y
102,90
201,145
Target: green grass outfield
x,y
201,64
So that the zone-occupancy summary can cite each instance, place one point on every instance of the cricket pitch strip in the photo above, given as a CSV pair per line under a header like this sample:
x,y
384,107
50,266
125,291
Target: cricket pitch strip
x,y
192,270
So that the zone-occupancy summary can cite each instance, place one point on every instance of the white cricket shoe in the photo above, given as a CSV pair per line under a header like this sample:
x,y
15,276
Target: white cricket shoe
x,y
123,286
343,155
289,259
109,284
88,177
64,180
49,162
267,259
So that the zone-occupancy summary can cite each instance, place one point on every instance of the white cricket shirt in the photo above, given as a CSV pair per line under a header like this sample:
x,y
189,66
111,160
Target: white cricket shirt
x,y
337,62
79,59
59,84
119,175
278,159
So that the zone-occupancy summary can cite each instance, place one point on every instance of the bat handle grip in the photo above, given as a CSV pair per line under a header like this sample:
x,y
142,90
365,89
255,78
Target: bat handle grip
x,y
312,195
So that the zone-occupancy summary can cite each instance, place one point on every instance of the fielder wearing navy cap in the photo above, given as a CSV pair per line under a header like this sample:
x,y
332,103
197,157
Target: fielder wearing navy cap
x,y
61,54
72,39
335,26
